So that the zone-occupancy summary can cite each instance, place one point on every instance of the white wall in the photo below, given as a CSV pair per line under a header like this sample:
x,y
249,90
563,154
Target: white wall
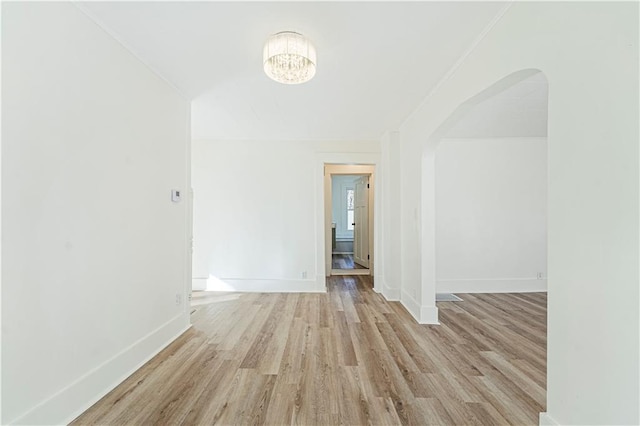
x,y
94,252
391,208
589,54
256,213
339,186
491,215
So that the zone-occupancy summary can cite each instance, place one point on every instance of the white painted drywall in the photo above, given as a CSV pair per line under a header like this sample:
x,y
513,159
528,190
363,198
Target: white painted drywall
x,y
256,213
491,215
589,54
339,186
517,111
391,274
94,251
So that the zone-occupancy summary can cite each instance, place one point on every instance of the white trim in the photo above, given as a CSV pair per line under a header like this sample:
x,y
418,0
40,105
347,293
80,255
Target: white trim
x,y
422,314
356,170
198,284
260,285
188,249
427,229
547,420
354,163
410,305
495,285
392,294
321,283
74,399
429,315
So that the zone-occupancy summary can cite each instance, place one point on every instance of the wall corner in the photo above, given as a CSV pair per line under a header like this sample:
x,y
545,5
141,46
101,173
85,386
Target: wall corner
x,y
547,420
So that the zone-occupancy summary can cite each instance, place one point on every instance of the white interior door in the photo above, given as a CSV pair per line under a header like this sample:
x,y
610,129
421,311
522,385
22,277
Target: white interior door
x,y
361,222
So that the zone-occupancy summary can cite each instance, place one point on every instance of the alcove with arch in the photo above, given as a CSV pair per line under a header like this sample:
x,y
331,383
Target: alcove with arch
x,y
429,199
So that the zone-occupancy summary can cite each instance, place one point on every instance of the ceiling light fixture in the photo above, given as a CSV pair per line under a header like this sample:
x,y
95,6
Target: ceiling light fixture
x,y
289,58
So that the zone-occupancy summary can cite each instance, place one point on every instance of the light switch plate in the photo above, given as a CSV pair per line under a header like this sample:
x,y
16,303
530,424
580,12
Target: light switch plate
x,y
176,195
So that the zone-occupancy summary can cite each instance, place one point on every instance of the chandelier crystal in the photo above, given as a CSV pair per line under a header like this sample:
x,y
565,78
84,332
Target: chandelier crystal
x,y
289,58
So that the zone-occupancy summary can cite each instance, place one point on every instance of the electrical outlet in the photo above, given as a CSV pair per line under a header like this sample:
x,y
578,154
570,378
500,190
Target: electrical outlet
x,y
540,275
304,274
178,299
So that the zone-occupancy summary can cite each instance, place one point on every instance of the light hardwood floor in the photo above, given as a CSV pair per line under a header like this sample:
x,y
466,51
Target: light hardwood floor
x,y
344,261
344,357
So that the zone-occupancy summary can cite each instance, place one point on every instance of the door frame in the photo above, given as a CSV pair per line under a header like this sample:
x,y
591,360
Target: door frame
x,y
328,170
358,256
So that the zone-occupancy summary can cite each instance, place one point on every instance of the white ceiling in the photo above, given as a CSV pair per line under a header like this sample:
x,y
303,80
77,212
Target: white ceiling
x,y
519,111
376,61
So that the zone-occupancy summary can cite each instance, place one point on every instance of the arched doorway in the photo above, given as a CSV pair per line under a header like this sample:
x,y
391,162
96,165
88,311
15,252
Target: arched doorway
x,y
495,110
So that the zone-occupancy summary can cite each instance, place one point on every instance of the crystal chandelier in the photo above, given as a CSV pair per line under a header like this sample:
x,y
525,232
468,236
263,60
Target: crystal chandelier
x,y
289,58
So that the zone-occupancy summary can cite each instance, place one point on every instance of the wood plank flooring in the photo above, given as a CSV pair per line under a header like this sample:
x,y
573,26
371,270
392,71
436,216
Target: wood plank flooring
x,y
344,261
345,357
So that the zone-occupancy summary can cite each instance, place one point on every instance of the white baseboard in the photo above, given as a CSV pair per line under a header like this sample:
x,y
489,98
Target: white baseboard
x,y
429,315
71,401
547,420
390,293
498,285
410,305
422,314
199,284
267,285
321,283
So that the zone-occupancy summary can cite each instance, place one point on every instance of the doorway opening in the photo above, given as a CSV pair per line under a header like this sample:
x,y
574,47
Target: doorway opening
x,y
349,219
349,223
490,186
482,225
488,220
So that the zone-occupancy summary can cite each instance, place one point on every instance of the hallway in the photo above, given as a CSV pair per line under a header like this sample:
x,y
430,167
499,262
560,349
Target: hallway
x,y
344,357
344,261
